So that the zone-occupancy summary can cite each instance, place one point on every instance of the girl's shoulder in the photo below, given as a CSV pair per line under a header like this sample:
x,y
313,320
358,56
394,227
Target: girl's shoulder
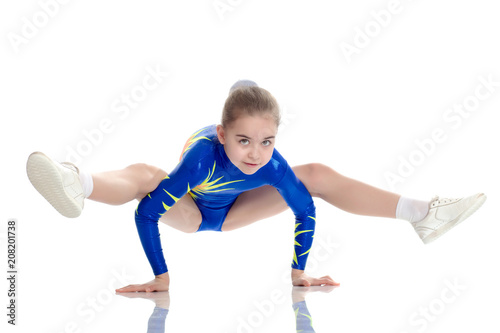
x,y
278,160
276,168
201,143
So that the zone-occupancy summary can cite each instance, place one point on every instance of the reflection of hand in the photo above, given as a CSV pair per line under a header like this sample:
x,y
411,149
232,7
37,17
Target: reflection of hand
x,y
160,283
161,299
156,322
303,318
299,293
299,278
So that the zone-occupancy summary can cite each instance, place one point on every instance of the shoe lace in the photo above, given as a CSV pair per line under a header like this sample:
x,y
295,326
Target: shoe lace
x,y
70,165
437,201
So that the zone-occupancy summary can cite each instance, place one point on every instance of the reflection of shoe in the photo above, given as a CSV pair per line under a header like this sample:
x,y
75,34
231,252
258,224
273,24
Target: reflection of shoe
x,y
444,214
59,183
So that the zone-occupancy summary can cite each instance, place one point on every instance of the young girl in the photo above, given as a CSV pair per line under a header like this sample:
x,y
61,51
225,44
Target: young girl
x,y
229,176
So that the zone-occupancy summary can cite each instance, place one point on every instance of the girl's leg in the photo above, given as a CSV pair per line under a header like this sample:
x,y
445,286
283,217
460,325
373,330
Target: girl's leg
x,y
321,181
135,182
64,186
429,219
359,198
253,206
348,194
121,186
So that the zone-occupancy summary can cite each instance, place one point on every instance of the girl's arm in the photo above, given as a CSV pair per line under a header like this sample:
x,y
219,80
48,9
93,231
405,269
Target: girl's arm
x,y
185,176
300,201
155,204
148,212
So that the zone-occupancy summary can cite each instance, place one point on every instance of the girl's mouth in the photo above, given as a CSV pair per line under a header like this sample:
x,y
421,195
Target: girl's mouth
x,y
250,165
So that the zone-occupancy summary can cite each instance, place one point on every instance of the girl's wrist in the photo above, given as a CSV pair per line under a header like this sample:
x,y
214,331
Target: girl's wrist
x,y
163,276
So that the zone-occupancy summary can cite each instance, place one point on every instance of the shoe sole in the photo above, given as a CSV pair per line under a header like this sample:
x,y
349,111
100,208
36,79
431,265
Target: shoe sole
x,y
47,180
447,227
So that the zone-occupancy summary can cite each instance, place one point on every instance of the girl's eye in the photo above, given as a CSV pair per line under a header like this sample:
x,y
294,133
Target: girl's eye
x,y
266,143
244,142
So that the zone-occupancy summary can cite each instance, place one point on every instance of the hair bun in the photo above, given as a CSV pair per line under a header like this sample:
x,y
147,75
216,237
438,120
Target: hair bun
x,y
243,83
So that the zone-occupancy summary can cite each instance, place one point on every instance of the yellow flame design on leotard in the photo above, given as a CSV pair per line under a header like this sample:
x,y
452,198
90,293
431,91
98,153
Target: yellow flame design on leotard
x,y
211,186
165,205
297,243
207,186
192,139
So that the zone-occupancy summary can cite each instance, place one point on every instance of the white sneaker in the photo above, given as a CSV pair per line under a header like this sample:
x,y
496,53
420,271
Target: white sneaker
x,y
59,183
444,214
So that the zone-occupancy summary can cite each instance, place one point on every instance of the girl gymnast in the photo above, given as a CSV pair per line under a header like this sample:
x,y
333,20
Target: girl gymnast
x,y
229,176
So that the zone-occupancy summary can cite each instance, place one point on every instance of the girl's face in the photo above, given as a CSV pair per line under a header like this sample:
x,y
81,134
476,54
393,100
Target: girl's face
x,y
249,142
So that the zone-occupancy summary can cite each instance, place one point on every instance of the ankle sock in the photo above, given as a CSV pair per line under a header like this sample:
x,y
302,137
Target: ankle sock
x,y
411,210
87,183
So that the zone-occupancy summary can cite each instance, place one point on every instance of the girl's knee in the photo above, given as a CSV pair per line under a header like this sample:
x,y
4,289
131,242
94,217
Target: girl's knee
x,y
146,177
320,170
148,171
313,176
142,169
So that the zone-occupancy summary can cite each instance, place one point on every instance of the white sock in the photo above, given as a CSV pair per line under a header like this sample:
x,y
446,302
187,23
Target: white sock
x,y
411,210
87,183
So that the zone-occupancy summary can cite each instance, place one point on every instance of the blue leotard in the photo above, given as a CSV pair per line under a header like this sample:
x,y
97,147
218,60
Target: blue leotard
x,y
214,182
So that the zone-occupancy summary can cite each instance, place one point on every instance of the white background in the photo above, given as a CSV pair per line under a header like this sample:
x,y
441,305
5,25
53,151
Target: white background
x,y
359,117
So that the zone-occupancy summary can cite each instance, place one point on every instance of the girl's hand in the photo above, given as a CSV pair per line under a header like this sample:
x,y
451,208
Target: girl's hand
x,y
160,283
299,278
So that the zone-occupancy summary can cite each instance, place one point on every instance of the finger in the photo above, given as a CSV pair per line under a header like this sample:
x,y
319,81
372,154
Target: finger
x,y
326,277
325,281
317,282
130,288
330,280
123,288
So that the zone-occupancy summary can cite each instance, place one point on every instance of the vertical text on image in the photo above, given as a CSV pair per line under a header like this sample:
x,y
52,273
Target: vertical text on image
x,y
12,271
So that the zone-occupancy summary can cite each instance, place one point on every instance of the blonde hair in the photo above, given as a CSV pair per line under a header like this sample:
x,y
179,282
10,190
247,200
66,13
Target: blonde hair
x,y
249,100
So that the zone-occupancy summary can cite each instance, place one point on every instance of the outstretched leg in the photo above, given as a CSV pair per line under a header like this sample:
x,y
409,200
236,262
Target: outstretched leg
x,y
65,187
321,181
429,219
348,194
121,186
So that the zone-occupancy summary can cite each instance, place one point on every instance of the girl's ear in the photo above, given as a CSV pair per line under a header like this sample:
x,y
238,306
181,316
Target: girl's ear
x,y
221,134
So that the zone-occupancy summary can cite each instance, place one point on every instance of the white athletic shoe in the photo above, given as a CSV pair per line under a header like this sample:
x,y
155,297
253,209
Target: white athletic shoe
x,y
59,183
444,214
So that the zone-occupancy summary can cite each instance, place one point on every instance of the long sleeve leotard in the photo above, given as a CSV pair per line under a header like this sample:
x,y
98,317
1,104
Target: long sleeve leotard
x,y
214,182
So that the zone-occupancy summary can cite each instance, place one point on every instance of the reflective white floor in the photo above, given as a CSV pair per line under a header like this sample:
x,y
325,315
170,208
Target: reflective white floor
x,y
396,285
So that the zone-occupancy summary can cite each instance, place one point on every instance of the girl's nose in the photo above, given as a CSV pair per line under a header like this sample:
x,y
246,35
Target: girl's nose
x,y
253,153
